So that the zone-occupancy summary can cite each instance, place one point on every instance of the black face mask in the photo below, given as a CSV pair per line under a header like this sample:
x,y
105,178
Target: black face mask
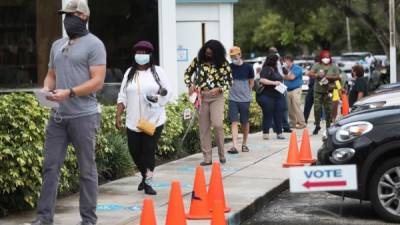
x,y
75,26
209,58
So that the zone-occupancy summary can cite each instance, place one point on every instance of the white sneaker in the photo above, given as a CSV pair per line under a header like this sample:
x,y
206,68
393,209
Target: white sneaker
x,y
280,137
265,136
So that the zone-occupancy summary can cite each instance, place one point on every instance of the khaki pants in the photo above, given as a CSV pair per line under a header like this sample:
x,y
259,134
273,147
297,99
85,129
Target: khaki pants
x,y
212,115
296,115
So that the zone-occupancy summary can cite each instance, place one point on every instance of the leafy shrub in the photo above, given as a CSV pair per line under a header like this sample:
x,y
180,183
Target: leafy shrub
x,y
21,140
22,133
22,125
255,117
117,162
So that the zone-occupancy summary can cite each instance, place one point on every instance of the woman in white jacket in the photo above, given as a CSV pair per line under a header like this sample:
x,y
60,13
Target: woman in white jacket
x,y
144,92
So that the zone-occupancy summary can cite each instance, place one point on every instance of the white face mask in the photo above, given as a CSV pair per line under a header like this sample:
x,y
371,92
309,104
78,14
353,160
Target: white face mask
x,y
325,60
142,59
285,65
236,61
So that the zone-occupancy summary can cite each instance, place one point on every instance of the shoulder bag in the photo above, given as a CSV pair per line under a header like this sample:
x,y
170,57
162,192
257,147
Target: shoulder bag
x,y
144,125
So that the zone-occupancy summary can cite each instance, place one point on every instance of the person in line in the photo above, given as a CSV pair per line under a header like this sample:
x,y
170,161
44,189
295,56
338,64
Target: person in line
x,y
282,71
239,98
210,74
359,89
144,92
309,101
76,71
325,72
270,100
294,82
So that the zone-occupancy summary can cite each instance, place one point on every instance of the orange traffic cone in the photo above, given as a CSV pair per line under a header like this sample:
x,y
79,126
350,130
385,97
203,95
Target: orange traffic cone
x,y
216,188
218,216
148,216
293,154
305,148
199,204
345,105
176,210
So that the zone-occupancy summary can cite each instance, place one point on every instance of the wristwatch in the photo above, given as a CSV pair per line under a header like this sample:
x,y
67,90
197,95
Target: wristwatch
x,y
71,93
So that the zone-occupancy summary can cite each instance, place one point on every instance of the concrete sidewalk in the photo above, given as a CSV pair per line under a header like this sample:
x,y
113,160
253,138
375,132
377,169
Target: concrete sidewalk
x,y
249,180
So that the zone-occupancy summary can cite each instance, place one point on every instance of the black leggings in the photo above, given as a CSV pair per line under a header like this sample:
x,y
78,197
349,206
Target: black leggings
x,y
143,149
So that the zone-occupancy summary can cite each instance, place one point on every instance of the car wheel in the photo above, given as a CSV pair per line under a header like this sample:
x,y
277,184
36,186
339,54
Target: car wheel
x,y
384,190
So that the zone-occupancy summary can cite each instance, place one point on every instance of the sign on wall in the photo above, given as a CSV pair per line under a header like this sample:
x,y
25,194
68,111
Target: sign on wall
x,y
323,178
183,55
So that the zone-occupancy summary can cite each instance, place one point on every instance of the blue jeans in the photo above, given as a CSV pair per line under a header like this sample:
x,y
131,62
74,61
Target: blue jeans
x,y
285,119
272,109
285,115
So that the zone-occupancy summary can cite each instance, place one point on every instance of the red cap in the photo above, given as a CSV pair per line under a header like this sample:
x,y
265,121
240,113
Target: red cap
x,y
145,45
324,54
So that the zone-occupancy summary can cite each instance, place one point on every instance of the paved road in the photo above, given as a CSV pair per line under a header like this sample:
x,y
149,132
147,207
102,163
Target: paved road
x,y
315,208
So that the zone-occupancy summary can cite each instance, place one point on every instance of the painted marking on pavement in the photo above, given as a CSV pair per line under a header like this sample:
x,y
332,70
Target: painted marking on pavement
x,y
117,207
134,208
167,185
193,169
109,207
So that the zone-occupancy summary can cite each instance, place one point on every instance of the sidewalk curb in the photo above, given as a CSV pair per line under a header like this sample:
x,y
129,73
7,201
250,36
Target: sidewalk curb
x,y
247,212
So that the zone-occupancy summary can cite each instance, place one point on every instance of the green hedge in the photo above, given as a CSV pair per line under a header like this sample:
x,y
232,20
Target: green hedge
x,y
22,126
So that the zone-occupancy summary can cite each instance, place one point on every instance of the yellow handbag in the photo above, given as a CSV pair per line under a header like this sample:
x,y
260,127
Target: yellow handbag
x,y
144,125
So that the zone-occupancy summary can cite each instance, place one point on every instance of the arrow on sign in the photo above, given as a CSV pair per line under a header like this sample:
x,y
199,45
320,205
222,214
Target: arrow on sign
x,y
310,184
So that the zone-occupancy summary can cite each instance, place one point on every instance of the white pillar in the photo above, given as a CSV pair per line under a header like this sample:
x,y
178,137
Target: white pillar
x,y
63,4
226,25
167,41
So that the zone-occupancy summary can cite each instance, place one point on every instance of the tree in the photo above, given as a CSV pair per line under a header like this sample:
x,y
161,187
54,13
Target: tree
x,y
313,30
373,14
302,25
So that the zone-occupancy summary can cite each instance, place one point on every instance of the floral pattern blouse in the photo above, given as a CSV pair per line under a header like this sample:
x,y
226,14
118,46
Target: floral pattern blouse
x,y
208,76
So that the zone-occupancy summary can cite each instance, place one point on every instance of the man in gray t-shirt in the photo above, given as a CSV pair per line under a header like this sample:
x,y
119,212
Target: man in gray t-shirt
x,y
240,97
76,71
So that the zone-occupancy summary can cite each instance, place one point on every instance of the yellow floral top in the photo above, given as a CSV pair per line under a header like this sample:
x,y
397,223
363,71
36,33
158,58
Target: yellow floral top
x,y
208,76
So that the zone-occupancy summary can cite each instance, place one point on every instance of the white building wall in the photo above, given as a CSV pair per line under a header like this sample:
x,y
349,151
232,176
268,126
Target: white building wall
x,y
167,41
218,21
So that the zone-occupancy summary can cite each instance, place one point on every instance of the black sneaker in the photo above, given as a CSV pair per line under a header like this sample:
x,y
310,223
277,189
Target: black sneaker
x,y
205,163
316,130
141,185
233,150
287,130
38,222
222,161
148,190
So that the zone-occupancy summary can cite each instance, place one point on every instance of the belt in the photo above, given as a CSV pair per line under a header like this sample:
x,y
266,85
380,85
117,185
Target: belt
x,y
293,89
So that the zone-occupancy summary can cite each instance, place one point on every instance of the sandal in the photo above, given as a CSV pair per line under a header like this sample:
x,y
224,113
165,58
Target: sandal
x,y
245,148
233,150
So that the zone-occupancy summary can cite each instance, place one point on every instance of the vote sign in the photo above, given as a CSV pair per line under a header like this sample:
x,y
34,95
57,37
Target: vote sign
x,y
323,178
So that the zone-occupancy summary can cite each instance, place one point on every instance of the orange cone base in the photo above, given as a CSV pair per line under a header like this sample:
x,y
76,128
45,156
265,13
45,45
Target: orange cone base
x,y
227,209
286,165
198,217
308,160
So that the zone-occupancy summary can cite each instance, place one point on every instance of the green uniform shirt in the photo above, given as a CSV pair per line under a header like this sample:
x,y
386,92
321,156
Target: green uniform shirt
x,y
331,70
